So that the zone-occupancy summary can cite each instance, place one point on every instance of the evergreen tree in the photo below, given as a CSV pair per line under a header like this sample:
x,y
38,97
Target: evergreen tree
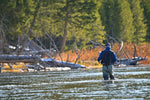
x,y
110,13
75,18
146,6
17,13
80,20
118,19
127,27
96,32
140,33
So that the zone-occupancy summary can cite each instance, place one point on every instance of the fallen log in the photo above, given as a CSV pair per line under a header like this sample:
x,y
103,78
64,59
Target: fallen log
x,y
37,63
18,58
54,63
132,61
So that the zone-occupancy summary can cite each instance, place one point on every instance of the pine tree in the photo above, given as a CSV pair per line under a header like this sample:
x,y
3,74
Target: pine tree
x,y
110,13
75,19
140,26
17,13
146,5
95,29
127,27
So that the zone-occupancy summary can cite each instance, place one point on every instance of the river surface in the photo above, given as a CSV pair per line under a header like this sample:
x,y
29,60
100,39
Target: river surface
x,y
133,83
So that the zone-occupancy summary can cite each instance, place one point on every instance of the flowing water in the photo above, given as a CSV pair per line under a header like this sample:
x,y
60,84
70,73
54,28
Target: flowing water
x,y
133,83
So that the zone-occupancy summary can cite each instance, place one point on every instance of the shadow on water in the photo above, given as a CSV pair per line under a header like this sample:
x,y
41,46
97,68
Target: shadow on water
x,y
132,83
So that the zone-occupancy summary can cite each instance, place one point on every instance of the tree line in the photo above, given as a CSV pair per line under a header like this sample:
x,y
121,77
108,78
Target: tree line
x,y
74,22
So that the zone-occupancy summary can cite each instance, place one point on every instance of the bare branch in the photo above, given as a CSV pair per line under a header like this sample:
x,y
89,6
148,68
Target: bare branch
x,y
78,52
55,46
95,42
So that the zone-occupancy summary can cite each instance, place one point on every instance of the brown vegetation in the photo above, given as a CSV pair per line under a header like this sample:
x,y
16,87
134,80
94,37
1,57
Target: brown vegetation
x,y
19,67
89,57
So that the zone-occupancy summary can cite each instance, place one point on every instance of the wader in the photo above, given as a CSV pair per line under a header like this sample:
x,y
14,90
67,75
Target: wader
x,y
108,72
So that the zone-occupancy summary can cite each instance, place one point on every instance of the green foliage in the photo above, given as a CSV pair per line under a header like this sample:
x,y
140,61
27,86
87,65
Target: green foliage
x,y
110,12
82,21
127,27
79,16
17,13
146,5
140,26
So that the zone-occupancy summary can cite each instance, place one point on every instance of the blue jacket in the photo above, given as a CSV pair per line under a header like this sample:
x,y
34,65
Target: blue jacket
x,y
107,48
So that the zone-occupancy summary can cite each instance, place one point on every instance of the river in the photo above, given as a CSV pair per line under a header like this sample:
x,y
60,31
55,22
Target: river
x,y
133,83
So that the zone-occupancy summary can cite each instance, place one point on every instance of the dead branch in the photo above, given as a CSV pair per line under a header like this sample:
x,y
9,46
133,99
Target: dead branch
x,y
78,52
95,42
31,26
55,46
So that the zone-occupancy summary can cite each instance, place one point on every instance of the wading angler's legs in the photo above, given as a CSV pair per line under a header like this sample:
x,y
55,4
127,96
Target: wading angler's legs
x,y
105,72
110,70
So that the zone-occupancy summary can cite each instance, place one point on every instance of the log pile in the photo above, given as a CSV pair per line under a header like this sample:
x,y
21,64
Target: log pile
x,y
37,63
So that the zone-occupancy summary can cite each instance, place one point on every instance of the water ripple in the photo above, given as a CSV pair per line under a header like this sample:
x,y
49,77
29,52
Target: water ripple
x,y
133,83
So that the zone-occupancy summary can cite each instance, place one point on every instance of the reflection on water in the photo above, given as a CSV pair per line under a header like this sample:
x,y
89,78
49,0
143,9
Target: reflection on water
x,y
132,83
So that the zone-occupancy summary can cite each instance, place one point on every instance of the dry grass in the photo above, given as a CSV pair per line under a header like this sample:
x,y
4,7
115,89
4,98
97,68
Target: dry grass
x,y
89,57
15,68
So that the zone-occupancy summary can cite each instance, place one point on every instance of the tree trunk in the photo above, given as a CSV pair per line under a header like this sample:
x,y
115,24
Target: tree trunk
x,y
64,38
65,30
2,42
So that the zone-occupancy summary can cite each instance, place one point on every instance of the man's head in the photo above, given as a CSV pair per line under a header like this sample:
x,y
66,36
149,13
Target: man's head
x,y
108,45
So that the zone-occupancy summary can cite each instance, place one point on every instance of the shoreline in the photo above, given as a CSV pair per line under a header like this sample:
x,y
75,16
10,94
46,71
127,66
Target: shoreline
x,y
22,70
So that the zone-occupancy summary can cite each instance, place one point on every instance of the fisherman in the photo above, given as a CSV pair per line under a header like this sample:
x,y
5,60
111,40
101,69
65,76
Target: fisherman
x,y
107,58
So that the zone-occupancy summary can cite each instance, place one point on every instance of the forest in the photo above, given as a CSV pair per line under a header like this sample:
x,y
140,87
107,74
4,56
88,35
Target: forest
x,y
70,23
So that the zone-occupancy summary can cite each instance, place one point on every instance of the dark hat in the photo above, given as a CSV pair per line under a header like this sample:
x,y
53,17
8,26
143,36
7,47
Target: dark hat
x,y
108,44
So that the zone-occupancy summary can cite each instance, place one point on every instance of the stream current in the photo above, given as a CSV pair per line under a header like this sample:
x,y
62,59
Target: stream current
x,y
133,83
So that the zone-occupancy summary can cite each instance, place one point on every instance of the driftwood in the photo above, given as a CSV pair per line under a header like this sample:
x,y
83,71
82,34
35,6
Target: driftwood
x,y
18,58
53,63
37,63
132,61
